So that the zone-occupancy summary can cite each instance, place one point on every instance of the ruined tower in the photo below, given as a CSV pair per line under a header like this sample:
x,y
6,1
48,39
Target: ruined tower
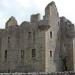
x,y
66,44
52,37
39,45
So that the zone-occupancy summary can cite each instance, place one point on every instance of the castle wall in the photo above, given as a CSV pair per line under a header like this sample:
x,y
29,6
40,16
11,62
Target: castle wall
x,y
52,39
39,45
74,51
67,32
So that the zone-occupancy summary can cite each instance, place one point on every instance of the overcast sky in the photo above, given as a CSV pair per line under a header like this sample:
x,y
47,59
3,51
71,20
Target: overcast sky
x,y
22,9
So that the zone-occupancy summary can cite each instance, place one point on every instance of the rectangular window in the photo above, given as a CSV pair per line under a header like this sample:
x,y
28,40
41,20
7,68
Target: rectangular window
x,y
22,53
50,34
33,53
22,56
50,53
58,23
29,35
8,39
5,55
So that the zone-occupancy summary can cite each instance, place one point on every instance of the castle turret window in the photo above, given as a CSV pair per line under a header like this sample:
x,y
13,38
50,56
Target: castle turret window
x,y
33,35
58,23
5,55
50,53
33,53
50,34
29,35
22,53
22,56
8,39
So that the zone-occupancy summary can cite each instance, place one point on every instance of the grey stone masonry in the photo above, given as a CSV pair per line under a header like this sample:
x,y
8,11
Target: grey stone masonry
x,y
42,45
40,73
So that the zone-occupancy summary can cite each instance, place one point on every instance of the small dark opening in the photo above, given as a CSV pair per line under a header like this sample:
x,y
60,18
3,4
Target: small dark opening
x,y
50,53
8,71
50,34
33,53
8,39
29,35
64,64
5,55
58,23
22,53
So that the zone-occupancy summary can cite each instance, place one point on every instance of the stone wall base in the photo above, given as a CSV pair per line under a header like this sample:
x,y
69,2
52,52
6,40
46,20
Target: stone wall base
x,y
41,73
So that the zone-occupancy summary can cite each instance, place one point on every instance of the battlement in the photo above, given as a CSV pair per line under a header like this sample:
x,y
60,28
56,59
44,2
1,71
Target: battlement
x,y
35,17
41,46
11,22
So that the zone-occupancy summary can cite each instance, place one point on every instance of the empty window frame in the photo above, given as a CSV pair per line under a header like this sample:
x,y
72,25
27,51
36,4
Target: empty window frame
x,y
50,53
8,39
5,55
33,53
29,35
50,34
58,23
22,53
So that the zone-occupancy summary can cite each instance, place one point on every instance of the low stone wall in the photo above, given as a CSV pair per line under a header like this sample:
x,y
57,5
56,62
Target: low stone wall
x,y
41,73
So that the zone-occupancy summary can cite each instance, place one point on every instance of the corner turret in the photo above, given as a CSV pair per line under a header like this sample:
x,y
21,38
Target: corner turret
x,y
11,22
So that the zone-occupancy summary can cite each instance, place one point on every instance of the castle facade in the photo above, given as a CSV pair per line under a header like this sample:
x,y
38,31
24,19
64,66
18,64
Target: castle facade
x,y
45,45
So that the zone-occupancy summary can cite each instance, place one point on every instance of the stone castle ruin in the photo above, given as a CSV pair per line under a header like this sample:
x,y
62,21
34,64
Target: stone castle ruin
x,y
46,45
